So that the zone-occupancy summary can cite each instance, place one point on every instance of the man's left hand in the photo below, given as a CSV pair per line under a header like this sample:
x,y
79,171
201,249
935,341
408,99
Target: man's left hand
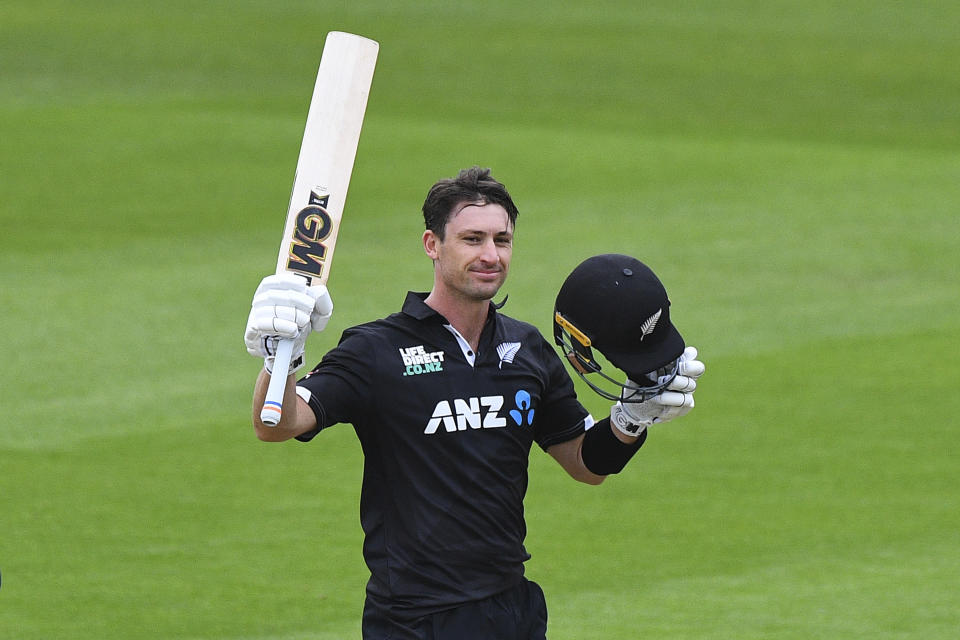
x,y
675,401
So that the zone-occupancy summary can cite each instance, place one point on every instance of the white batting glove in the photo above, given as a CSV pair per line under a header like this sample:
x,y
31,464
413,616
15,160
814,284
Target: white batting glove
x,y
675,401
688,370
285,307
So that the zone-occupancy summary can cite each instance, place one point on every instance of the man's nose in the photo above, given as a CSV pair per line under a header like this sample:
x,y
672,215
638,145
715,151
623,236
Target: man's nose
x,y
489,252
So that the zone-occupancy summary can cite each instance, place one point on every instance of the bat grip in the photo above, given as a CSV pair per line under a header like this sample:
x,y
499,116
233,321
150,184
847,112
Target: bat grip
x,y
273,403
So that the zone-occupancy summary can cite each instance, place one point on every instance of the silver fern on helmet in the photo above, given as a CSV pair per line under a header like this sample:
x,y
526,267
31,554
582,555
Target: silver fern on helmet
x,y
649,324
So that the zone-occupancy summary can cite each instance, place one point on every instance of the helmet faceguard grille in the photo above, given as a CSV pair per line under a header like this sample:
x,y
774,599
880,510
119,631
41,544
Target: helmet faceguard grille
x,y
576,346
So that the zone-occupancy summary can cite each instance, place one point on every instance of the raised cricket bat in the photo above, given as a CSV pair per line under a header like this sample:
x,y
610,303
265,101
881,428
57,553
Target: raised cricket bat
x,y
327,153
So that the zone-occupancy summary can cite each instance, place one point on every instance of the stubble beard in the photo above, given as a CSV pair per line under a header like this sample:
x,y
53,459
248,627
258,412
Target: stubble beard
x,y
469,288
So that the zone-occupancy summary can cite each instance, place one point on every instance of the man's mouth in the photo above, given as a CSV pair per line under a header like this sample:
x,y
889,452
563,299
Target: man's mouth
x,y
486,273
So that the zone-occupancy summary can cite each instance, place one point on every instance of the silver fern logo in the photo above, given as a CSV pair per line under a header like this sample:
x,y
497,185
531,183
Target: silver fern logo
x,y
507,351
650,324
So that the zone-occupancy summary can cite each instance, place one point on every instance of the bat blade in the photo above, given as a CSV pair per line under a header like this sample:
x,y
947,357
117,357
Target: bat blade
x,y
327,154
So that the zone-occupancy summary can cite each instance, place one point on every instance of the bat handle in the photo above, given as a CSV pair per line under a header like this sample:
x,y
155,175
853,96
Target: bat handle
x,y
273,403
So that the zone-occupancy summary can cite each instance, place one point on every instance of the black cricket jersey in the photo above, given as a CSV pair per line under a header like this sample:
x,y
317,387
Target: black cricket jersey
x,y
446,445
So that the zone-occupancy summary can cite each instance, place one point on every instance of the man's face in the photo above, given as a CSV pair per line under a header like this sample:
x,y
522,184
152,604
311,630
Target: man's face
x,y
473,258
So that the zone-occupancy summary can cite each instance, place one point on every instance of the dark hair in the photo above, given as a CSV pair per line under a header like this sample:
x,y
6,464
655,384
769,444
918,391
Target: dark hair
x,y
473,185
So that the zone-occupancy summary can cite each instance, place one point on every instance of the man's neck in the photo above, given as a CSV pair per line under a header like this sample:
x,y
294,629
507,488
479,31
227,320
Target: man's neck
x,y
467,316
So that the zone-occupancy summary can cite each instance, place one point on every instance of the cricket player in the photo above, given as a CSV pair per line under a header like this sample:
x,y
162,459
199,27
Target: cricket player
x,y
448,395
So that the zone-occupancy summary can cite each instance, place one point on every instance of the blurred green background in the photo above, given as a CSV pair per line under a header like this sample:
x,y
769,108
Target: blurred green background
x,y
790,169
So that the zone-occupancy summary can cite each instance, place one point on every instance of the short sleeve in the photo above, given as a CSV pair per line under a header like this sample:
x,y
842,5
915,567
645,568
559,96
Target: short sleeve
x,y
560,416
338,388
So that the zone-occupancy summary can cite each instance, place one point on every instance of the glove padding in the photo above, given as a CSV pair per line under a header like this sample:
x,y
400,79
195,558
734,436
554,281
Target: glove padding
x,y
675,401
285,307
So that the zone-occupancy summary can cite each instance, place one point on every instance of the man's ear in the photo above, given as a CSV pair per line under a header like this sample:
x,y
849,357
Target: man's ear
x,y
430,244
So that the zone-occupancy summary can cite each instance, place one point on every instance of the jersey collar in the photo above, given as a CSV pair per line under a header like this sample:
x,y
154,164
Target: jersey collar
x,y
415,307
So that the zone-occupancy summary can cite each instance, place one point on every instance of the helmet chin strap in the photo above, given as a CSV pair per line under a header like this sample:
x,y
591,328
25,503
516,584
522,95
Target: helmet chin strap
x,y
577,363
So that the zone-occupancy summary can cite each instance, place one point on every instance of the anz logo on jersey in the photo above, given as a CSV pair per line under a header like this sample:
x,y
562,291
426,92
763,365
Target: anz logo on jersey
x,y
461,414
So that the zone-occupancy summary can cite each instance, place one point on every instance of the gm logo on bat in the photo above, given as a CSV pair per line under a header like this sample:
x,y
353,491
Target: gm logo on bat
x,y
313,226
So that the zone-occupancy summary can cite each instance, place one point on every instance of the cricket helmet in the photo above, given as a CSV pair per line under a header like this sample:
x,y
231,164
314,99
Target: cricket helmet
x,y
617,305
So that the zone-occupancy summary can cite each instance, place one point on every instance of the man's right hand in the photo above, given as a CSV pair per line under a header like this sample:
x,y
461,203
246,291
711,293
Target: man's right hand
x,y
285,307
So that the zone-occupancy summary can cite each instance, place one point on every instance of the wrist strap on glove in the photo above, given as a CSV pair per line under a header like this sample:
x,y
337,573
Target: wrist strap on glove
x,y
295,364
270,348
622,422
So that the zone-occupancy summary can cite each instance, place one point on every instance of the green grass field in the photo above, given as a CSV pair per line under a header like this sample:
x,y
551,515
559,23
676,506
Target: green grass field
x,y
790,169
